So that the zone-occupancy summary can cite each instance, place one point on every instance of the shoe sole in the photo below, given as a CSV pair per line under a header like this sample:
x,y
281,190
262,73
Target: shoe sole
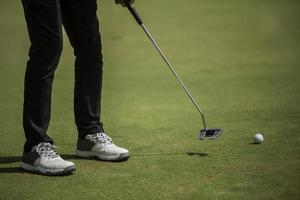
x,y
90,154
49,172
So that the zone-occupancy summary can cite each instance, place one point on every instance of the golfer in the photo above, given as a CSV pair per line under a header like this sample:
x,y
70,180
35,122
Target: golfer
x,y
44,20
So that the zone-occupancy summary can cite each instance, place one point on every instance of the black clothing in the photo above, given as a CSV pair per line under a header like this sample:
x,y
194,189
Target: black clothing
x,y
44,21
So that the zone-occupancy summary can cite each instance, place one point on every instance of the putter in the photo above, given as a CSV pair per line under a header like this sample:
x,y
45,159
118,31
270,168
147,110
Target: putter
x,y
205,133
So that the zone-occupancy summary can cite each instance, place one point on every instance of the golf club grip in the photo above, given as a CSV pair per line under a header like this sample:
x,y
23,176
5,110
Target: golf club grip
x,y
135,14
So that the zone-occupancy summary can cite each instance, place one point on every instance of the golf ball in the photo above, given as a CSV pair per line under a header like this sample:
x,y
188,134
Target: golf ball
x,y
258,138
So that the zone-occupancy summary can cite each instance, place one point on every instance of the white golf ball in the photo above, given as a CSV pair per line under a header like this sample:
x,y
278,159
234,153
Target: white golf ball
x,y
258,138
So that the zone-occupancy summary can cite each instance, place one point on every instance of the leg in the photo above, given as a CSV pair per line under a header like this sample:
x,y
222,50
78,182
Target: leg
x,y
82,26
44,26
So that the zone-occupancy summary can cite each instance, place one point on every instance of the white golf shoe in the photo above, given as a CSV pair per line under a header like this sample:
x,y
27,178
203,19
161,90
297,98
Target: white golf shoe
x,y
101,146
44,159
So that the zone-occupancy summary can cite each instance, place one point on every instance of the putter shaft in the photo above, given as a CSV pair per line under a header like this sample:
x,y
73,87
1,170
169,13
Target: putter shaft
x,y
174,73
140,22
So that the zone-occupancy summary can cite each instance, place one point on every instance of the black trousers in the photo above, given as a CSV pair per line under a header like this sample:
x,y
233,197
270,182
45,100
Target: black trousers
x,y
44,21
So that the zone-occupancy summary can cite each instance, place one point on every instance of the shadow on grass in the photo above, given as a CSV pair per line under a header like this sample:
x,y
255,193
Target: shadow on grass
x,y
74,157
253,143
14,159
197,154
17,159
8,170
172,154
10,159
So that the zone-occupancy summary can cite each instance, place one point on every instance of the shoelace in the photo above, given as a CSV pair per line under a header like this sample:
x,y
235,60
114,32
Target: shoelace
x,y
100,138
46,149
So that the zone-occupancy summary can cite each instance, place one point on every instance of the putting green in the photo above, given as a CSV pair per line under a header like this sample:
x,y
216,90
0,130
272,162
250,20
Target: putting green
x,y
240,59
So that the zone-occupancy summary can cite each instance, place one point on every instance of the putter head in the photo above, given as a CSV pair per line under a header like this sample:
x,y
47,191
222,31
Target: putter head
x,y
211,133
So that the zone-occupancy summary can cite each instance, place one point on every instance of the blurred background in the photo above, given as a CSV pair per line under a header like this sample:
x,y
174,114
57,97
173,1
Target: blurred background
x,y
239,58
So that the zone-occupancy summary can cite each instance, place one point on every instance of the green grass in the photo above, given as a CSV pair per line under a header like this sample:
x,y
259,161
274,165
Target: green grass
x,y
240,59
